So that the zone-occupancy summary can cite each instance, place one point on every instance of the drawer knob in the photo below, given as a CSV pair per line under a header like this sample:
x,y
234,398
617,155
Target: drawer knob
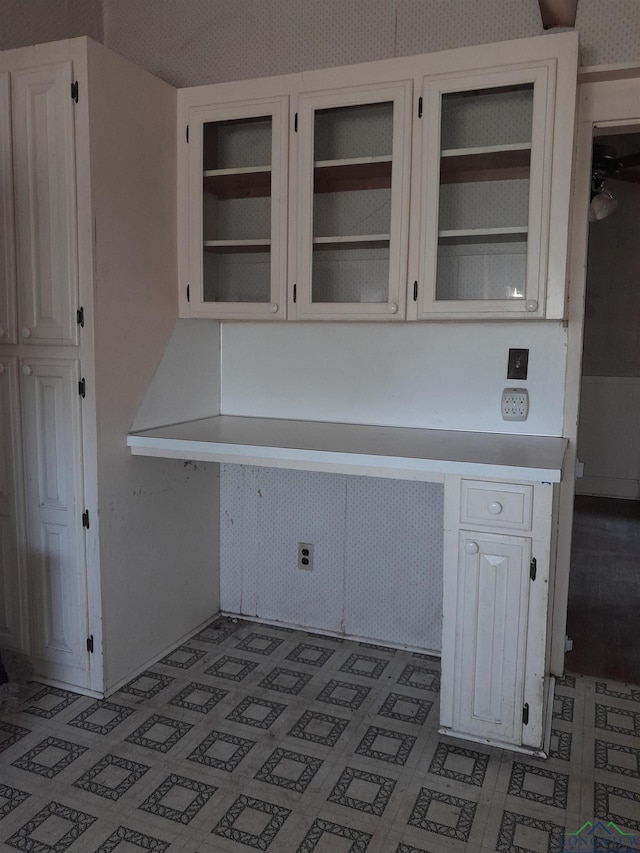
x,y
495,507
26,370
471,547
25,332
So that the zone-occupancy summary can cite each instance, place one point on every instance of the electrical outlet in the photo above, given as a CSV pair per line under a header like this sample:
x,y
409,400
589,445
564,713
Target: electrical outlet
x,y
305,556
515,404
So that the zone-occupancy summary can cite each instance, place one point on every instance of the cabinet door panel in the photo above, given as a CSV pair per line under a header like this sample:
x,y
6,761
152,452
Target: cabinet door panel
x,y
7,253
491,613
486,187
53,453
13,592
352,203
237,210
45,193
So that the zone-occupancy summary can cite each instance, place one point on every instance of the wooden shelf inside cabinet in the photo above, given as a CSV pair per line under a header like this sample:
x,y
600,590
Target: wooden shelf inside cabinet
x,y
497,163
484,235
231,247
247,182
365,173
365,241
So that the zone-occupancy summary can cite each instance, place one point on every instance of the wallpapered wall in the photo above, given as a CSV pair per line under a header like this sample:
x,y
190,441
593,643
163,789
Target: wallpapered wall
x,y
189,42
24,22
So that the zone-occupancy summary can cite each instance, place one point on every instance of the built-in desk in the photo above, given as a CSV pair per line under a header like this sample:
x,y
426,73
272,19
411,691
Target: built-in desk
x,y
380,451
500,498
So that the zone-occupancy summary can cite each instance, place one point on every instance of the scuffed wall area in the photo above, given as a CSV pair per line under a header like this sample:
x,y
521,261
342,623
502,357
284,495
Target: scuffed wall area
x,y
25,22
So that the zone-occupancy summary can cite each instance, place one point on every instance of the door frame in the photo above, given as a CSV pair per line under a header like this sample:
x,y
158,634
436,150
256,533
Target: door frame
x,y
607,97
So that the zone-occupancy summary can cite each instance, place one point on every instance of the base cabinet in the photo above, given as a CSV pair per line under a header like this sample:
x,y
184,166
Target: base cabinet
x,y
54,506
495,606
13,577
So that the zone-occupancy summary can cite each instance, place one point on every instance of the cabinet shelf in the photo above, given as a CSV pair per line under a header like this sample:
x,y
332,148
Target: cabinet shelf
x,y
493,163
357,242
361,173
484,235
246,182
234,246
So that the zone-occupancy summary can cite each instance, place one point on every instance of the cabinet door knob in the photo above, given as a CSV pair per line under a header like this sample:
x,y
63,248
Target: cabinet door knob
x,y
531,305
26,370
25,332
392,308
471,547
273,307
495,507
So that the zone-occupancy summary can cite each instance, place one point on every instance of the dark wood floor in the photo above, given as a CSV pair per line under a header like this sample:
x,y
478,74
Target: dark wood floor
x,y
604,589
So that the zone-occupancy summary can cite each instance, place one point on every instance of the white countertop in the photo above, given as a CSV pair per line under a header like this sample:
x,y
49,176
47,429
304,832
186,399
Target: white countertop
x,y
379,451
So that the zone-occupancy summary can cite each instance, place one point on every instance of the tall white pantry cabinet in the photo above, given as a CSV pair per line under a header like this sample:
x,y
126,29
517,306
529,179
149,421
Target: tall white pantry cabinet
x,y
88,580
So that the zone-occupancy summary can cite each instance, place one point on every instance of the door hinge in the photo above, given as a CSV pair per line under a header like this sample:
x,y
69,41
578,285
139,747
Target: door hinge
x,y
74,91
415,291
568,644
295,292
188,292
420,107
80,316
525,714
90,644
82,388
187,134
295,123
533,569
85,519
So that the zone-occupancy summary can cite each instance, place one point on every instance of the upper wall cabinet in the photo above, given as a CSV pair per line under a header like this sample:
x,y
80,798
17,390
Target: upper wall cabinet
x,y
353,200
238,209
434,186
486,173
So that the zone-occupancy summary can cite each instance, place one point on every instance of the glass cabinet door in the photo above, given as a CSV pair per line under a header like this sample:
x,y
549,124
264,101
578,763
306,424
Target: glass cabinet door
x,y
353,164
484,195
238,174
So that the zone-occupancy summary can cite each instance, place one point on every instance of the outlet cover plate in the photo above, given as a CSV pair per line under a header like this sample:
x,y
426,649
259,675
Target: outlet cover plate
x,y
515,404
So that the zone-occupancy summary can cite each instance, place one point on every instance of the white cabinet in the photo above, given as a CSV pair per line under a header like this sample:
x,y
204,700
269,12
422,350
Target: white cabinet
x,y
351,214
54,500
84,573
495,683
237,209
45,203
13,577
488,138
434,186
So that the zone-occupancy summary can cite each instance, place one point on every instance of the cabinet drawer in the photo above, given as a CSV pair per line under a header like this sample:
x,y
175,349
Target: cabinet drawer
x,y
496,504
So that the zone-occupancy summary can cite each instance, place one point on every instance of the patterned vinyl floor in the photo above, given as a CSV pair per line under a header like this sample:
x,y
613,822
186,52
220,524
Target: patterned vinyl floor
x,y
250,737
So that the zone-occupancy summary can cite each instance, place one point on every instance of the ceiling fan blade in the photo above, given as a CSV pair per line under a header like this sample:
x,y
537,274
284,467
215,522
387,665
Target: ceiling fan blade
x,y
628,161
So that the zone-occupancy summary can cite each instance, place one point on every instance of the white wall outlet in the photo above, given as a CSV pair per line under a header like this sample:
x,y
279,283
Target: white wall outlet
x,y
515,404
305,556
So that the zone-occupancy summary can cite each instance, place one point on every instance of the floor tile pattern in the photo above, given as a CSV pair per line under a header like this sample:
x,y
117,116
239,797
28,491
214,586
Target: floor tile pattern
x,y
250,737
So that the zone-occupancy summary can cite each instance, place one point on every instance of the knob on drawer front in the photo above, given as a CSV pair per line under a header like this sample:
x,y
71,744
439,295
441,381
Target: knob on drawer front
x,y
25,331
26,370
494,507
471,547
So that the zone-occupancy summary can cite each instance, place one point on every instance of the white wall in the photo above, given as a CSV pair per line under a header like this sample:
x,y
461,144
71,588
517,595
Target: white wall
x,y
434,375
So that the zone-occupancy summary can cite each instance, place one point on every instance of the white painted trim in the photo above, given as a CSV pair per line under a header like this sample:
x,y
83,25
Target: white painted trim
x,y
613,102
